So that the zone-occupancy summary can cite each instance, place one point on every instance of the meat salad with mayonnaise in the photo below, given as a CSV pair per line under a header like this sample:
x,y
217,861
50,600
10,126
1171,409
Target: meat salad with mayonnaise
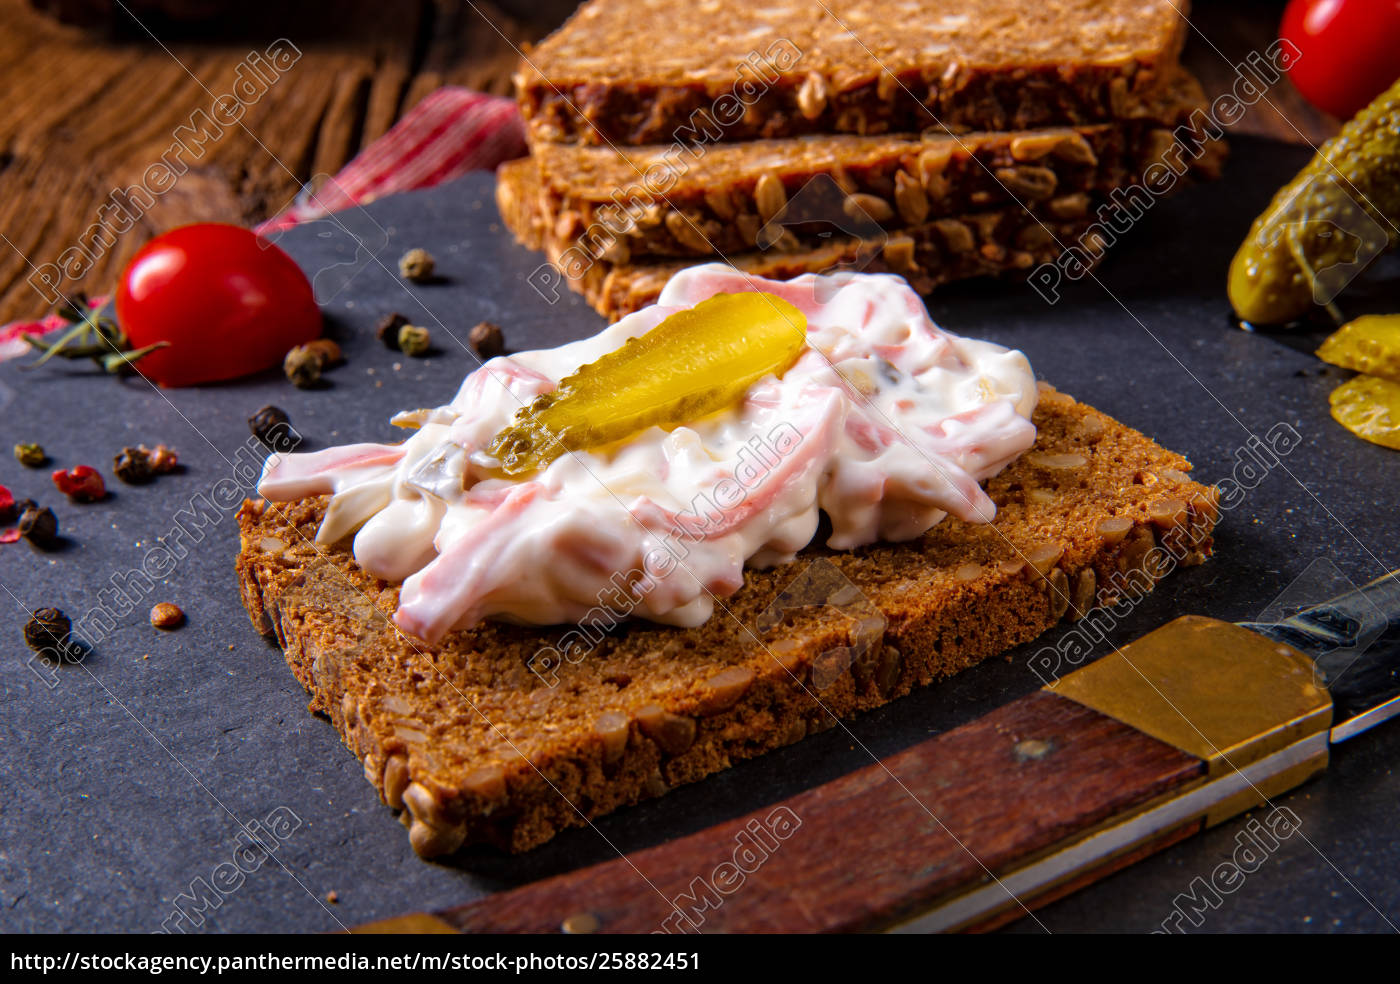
x,y
884,422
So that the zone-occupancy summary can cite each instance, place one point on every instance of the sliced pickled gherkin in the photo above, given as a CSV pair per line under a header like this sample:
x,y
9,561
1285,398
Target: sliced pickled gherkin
x,y
694,363
1327,224
1369,407
1370,344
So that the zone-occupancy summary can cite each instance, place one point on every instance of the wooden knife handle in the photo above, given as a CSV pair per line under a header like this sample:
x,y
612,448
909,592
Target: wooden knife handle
x,y
872,848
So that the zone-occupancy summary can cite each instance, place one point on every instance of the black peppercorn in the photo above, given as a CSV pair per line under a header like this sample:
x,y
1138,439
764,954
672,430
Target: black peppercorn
x,y
39,526
487,339
133,466
48,630
387,330
265,420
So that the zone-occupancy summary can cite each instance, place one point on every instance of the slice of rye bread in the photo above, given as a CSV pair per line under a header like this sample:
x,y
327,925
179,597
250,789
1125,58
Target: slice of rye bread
x,y
642,71
678,200
475,747
941,252
1006,242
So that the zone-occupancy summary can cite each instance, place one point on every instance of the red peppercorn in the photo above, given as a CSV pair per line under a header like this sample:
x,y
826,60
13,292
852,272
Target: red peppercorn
x,y
8,513
81,483
164,460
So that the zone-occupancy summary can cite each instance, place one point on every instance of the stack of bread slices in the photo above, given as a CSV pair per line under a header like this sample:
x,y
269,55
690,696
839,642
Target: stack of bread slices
x,y
938,139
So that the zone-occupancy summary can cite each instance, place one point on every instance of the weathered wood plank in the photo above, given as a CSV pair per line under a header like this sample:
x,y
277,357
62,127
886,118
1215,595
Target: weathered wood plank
x,y
87,114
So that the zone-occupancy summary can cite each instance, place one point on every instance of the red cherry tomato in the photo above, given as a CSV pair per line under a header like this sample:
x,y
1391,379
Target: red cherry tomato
x,y
228,302
1349,51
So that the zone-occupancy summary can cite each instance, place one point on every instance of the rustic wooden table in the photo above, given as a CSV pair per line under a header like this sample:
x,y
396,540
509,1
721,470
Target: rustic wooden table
x,y
86,114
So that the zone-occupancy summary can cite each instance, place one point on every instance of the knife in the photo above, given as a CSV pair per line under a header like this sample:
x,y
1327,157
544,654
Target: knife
x,y
1181,729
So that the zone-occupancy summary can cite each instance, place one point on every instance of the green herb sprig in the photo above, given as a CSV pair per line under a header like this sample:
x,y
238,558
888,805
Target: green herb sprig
x,y
92,333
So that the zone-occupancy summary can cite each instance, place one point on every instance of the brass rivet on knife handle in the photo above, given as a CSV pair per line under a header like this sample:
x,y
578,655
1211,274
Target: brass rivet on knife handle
x,y
1210,688
580,924
416,923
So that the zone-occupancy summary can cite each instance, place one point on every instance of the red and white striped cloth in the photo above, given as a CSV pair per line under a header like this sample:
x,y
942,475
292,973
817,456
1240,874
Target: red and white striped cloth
x,y
451,132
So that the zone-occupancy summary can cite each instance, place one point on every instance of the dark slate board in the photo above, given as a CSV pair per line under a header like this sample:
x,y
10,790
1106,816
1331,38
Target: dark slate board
x,y
123,781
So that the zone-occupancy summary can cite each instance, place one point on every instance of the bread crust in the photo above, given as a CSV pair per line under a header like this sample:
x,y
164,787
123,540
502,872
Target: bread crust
x,y
476,747
624,71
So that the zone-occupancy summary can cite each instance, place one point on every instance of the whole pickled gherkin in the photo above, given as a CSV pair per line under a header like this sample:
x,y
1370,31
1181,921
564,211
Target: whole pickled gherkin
x,y
694,363
1327,224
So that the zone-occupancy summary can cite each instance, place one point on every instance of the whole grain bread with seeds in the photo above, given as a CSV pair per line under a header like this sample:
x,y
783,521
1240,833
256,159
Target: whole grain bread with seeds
x,y
474,745
1005,242
635,72
626,562
675,200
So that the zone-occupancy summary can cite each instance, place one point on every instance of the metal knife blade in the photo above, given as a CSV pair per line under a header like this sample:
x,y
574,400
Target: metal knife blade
x,y
1354,641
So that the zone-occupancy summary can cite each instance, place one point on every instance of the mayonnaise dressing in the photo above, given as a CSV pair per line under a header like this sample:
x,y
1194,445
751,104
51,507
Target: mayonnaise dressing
x,y
885,422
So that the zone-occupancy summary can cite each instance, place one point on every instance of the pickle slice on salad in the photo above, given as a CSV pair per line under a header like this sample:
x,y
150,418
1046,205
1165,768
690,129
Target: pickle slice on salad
x,y
694,363
1369,407
1369,344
